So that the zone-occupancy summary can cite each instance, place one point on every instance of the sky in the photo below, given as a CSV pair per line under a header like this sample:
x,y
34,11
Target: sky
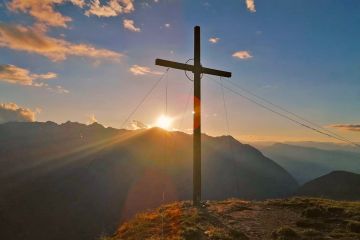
x,y
89,61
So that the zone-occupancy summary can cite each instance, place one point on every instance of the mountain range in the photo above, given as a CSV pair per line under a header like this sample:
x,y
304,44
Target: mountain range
x,y
76,181
308,163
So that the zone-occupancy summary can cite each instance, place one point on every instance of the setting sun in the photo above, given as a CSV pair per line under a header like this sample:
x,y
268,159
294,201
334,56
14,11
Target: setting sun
x,y
164,122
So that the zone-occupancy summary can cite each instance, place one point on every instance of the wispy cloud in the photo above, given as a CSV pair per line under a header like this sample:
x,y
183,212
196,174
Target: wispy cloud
x,y
347,127
44,11
17,75
167,25
35,40
242,55
130,25
111,9
58,89
250,4
142,70
12,112
214,40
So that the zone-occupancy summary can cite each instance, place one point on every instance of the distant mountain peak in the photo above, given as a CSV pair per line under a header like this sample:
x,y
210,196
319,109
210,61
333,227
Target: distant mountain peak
x,y
96,125
341,185
72,124
51,123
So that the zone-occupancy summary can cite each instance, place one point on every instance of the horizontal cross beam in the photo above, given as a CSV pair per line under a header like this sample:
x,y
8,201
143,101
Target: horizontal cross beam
x,y
171,64
190,68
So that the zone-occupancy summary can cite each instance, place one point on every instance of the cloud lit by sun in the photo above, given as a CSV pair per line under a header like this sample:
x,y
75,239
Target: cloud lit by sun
x,y
164,122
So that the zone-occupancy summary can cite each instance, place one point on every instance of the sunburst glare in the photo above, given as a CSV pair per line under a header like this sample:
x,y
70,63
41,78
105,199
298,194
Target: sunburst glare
x,y
164,122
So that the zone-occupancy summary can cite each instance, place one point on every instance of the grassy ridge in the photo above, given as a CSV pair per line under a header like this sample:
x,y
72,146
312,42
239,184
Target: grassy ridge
x,y
283,219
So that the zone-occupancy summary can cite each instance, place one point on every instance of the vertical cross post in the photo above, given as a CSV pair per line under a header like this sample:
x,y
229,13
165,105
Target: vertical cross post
x,y
197,69
197,120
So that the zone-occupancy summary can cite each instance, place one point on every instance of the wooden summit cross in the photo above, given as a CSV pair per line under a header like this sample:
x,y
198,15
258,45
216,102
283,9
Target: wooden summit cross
x,y
197,69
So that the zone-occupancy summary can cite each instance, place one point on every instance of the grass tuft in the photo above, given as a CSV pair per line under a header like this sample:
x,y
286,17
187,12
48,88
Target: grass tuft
x,y
354,226
285,233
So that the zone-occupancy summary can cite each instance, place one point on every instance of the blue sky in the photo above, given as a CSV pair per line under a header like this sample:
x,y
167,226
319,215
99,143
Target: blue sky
x,y
303,55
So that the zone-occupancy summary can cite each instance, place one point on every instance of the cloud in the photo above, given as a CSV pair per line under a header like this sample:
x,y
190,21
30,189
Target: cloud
x,y
35,40
91,119
43,11
214,40
129,24
347,127
79,3
242,55
138,125
59,89
250,4
112,9
17,75
167,25
48,75
10,112
141,70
